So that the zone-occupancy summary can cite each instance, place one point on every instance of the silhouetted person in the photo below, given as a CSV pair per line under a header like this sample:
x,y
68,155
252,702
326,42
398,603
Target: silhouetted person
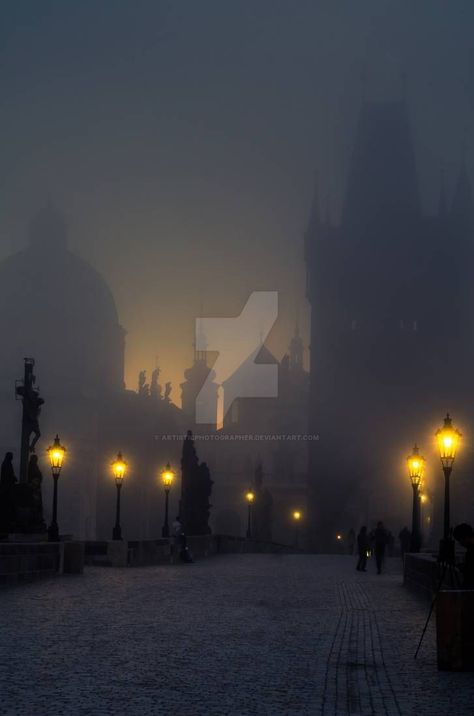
x,y
363,546
351,540
405,541
380,538
464,534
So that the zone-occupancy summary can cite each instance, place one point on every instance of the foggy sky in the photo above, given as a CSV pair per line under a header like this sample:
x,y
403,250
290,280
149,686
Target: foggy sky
x,y
181,139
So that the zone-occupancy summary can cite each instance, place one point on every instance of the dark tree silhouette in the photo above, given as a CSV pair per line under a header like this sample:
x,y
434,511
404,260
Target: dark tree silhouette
x,y
196,487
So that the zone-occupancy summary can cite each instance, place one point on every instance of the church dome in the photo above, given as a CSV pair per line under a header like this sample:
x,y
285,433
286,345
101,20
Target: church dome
x,y
55,308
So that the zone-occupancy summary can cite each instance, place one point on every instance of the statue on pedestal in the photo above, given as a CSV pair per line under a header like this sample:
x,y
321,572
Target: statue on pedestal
x,y
7,496
35,479
26,505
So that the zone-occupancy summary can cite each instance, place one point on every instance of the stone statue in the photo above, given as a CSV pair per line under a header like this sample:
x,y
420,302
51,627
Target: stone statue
x,y
7,473
7,494
32,403
143,388
168,389
155,387
35,479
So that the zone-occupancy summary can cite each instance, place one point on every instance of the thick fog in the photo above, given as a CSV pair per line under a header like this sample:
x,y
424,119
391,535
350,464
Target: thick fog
x,y
181,140
187,146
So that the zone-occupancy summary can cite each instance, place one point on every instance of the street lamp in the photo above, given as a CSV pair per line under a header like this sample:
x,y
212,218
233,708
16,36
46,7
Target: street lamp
x,y
448,440
119,467
416,467
250,497
296,519
167,477
56,454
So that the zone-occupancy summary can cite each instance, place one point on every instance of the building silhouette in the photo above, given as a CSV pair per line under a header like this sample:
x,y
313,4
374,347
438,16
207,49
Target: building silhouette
x,y
55,308
391,338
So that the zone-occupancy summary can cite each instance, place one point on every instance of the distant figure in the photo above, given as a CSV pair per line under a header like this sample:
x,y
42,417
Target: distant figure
x,y
351,540
7,473
363,546
464,534
380,539
405,541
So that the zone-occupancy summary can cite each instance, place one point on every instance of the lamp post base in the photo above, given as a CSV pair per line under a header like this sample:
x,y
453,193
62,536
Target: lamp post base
x,y
117,532
446,551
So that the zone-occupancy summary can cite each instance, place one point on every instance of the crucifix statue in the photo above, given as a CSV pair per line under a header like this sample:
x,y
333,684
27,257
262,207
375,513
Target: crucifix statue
x,y
32,403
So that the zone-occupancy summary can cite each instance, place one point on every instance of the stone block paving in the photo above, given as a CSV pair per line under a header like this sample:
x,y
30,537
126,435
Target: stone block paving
x,y
237,635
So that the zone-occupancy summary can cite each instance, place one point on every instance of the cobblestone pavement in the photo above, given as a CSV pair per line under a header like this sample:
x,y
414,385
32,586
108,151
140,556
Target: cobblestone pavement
x,y
234,635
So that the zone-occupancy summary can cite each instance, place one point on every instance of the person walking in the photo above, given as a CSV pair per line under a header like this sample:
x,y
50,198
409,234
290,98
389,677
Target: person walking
x,y
380,537
363,546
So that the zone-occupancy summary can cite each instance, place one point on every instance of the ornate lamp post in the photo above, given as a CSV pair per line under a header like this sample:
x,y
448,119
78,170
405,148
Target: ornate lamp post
x,y
448,440
167,477
296,519
250,497
119,467
416,467
56,454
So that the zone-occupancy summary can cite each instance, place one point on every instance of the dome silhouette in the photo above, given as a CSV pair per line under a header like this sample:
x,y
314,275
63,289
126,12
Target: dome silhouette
x,y
57,309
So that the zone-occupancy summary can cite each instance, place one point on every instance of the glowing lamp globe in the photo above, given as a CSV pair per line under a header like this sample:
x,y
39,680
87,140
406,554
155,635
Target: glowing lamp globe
x,y
448,441
167,476
416,467
119,467
250,496
56,453
297,515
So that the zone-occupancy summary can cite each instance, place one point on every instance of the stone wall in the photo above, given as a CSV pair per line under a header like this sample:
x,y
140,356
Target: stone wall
x,y
160,551
422,573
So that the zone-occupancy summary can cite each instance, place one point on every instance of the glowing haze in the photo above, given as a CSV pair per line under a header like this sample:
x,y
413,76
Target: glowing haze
x,y
181,140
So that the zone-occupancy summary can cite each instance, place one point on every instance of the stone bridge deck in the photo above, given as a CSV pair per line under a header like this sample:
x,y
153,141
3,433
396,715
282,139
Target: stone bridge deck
x,y
236,635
